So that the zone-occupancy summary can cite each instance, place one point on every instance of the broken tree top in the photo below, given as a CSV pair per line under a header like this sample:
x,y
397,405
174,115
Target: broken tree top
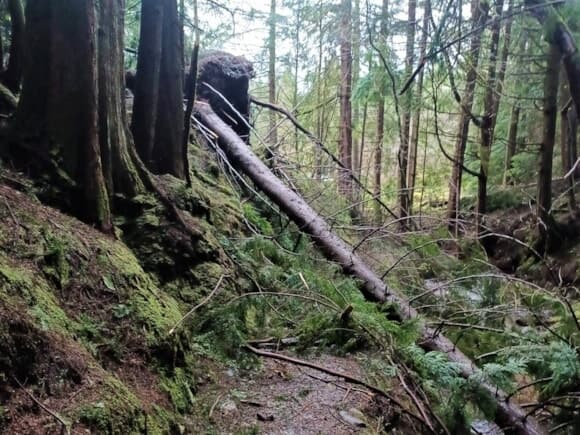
x,y
229,76
225,64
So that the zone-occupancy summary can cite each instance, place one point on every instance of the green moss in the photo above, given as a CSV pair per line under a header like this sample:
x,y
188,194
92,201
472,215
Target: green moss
x,y
56,260
156,312
117,410
19,283
180,388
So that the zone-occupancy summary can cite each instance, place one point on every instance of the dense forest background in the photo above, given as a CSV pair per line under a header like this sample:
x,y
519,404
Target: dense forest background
x,y
208,205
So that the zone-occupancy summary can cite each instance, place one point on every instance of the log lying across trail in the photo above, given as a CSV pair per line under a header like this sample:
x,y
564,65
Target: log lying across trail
x,y
508,415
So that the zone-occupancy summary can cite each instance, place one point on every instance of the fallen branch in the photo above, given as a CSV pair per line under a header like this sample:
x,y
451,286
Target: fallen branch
x,y
346,377
65,424
336,249
198,306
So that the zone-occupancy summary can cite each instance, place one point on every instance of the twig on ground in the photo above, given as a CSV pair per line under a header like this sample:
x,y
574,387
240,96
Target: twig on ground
x,y
212,409
65,424
201,304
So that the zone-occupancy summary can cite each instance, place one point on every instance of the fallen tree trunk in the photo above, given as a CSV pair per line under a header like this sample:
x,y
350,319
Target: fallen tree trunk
x,y
308,220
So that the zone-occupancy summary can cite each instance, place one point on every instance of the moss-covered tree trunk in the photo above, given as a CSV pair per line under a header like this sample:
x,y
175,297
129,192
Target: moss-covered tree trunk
x,y
487,121
12,77
558,33
120,172
512,142
74,111
544,199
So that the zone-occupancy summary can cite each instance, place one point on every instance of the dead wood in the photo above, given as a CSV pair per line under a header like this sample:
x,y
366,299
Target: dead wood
x,y
309,221
320,145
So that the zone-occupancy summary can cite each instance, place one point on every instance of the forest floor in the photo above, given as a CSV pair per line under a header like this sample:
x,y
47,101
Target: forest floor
x,y
283,398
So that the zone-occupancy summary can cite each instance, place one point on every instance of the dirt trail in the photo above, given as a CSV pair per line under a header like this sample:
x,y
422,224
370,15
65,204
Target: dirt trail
x,y
286,399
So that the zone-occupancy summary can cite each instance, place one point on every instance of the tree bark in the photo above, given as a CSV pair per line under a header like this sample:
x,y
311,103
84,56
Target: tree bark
x,y
511,143
568,140
544,195
559,34
345,155
479,14
158,107
414,141
378,151
507,414
273,130
147,79
378,161
403,154
507,39
115,139
167,150
12,77
356,60
190,93
488,119
75,110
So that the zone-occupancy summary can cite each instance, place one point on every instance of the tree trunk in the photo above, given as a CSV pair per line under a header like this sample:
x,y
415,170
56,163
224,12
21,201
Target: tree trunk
x,y
403,154
488,119
558,33
75,110
12,77
507,413
273,131
414,143
344,180
115,139
147,79
298,10
158,107
71,113
544,196
357,138
378,152
190,93
512,143
378,160
568,133
507,38
479,14
167,150
320,112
